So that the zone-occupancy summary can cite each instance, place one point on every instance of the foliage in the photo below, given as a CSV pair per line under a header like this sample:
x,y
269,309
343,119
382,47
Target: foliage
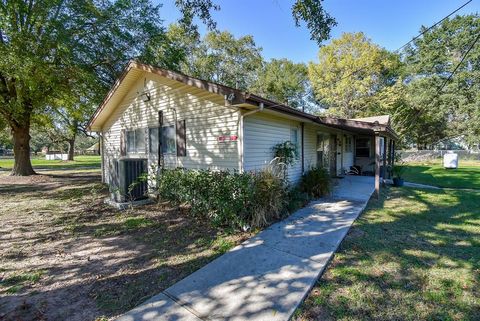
x,y
316,182
64,55
296,199
287,152
269,198
237,200
318,21
284,81
430,60
398,170
350,72
218,56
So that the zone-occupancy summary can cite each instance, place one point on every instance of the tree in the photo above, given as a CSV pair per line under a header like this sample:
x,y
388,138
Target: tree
x,y
444,108
58,51
318,21
221,58
350,73
284,81
49,47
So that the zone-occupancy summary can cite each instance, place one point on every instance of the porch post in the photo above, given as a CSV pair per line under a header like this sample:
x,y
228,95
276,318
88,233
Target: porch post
x,y
377,165
384,160
393,153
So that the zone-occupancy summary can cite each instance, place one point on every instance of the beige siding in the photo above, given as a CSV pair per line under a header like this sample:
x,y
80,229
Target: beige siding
x,y
204,113
261,133
310,148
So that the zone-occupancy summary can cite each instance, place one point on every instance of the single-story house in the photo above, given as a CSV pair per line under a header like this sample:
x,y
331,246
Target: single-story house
x,y
170,119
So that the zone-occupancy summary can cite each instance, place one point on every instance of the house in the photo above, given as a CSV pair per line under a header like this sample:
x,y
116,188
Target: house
x,y
208,125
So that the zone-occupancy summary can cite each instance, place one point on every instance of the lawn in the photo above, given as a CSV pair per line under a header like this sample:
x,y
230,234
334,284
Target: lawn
x,y
81,161
65,255
467,175
413,255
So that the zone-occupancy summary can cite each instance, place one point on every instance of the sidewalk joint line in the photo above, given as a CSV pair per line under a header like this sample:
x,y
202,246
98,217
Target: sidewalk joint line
x,y
183,305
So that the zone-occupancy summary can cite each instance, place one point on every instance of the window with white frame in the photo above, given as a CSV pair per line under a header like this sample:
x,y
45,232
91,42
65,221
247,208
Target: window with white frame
x,y
348,144
294,137
321,149
136,141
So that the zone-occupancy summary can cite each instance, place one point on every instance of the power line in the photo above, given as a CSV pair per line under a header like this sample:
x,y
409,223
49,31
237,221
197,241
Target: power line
x,y
461,61
474,42
403,46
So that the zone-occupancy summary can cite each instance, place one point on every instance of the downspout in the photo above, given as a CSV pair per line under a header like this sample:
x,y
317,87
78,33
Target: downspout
x,y
241,131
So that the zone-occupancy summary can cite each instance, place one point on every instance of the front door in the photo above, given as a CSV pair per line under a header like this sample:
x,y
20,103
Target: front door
x,y
333,155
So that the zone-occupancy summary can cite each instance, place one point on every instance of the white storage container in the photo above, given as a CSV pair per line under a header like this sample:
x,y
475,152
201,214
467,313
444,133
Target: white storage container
x,y
450,160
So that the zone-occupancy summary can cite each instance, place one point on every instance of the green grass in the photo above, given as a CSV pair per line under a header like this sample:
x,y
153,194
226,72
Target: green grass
x,y
413,255
467,175
42,163
16,282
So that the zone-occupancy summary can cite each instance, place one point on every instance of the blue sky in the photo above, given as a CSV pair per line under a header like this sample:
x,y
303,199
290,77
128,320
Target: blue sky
x,y
389,23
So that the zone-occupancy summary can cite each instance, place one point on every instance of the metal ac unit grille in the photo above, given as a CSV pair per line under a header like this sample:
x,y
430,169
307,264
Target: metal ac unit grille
x,y
131,186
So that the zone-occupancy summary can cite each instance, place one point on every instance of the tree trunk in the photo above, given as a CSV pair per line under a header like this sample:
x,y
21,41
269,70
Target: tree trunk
x,y
21,149
71,148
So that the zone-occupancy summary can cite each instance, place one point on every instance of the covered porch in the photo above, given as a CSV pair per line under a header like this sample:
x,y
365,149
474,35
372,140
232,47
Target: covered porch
x,y
374,147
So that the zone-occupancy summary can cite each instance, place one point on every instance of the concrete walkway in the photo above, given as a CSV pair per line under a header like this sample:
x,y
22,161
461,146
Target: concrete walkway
x,y
268,276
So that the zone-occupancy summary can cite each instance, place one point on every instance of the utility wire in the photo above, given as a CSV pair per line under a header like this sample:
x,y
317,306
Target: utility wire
x,y
421,111
461,61
403,46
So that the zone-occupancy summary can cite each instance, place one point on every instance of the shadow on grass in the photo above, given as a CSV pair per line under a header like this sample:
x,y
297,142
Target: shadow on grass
x,y
93,260
414,254
436,175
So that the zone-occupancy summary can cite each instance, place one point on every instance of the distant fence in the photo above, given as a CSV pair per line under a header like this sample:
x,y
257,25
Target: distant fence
x,y
424,155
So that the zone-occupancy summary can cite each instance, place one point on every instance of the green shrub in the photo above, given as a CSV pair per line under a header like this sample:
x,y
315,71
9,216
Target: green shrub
x,y
269,198
296,199
316,182
237,200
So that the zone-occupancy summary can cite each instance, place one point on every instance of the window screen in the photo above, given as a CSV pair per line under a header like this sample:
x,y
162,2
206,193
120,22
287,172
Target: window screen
x,y
362,148
348,144
168,139
294,136
153,140
136,141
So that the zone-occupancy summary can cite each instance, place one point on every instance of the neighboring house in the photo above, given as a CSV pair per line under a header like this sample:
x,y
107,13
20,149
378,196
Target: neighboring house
x,y
207,125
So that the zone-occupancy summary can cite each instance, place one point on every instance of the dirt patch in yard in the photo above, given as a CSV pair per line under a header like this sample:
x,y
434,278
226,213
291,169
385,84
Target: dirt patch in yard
x,y
64,254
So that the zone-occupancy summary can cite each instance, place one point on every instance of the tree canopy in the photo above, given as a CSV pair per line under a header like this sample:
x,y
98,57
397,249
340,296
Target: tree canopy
x,y
284,81
349,74
442,106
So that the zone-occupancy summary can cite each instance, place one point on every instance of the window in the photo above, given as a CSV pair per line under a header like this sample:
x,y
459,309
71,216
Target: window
x,y
172,142
168,139
294,136
153,140
348,144
321,149
136,141
362,148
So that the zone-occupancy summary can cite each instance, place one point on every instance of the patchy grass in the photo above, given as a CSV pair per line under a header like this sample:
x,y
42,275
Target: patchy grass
x,y
467,175
81,161
16,281
413,255
64,254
